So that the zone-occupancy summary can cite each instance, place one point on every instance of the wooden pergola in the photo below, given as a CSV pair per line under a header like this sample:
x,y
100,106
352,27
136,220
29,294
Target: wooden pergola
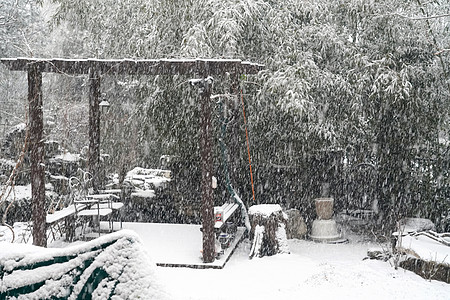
x,y
95,69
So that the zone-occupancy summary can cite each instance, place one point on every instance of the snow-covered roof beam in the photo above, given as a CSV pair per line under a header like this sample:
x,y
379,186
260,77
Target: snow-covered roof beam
x,y
137,67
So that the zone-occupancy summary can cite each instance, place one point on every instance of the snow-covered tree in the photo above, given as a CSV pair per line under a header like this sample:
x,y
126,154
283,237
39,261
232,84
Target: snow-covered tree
x,y
364,80
22,30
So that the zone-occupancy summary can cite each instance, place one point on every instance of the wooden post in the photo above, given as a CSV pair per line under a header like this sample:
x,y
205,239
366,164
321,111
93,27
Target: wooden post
x,y
36,150
236,142
206,141
94,127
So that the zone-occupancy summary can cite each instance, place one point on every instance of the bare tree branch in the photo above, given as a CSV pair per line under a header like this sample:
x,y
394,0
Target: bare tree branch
x,y
442,51
420,18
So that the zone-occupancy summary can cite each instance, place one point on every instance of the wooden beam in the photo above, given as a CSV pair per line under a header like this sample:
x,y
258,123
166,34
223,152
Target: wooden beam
x,y
190,67
94,127
36,150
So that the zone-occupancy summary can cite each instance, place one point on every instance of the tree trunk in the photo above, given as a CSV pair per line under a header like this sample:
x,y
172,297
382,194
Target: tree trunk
x,y
36,149
206,141
94,127
268,230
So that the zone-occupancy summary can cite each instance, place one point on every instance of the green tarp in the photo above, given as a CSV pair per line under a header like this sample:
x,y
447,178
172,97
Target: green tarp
x,y
111,267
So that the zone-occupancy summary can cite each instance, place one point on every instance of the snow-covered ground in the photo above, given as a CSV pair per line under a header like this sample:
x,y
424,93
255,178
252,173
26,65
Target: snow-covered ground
x,y
311,271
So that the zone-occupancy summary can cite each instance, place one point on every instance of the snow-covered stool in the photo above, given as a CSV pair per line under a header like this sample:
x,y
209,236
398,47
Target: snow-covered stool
x,y
268,230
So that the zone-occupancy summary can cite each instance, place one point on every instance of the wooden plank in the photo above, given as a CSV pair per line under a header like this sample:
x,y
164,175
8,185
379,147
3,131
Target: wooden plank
x,y
95,212
63,213
102,196
228,210
91,201
192,67
111,191
112,205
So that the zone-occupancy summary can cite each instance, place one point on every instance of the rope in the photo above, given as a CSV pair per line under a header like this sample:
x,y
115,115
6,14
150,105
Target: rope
x,y
224,150
248,148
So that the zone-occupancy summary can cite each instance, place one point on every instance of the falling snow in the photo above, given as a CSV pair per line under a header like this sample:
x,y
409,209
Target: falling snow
x,y
257,104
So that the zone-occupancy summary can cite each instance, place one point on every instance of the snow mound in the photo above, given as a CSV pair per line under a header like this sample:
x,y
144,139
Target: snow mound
x,y
148,178
114,266
67,156
409,225
423,247
264,209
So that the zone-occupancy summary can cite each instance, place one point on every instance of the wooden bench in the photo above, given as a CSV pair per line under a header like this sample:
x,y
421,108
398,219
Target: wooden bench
x,y
225,211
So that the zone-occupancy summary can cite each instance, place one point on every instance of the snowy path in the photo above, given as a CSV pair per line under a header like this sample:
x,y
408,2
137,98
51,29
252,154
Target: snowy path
x,y
317,271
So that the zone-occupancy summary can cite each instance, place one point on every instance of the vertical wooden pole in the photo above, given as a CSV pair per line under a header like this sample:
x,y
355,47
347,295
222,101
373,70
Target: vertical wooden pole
x,y
94,127
206,141
236,142
36,151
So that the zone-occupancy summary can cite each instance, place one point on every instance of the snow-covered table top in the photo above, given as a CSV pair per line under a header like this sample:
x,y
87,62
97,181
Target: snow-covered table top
x,y
63,213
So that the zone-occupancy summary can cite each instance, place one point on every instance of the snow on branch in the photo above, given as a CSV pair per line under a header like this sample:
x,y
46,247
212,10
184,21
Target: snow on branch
x,y
442,51
420,18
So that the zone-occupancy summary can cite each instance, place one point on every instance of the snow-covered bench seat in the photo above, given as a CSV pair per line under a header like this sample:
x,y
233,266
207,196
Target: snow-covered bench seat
x,y
63,213
101,212
226,210
112,205
54,220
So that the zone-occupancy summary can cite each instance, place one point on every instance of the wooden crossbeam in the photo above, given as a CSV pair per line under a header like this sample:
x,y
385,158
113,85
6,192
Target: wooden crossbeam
x,y
136,67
